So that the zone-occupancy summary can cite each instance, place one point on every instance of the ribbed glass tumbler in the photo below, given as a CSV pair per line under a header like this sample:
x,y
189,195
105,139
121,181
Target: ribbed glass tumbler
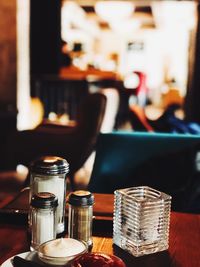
x,y
141,220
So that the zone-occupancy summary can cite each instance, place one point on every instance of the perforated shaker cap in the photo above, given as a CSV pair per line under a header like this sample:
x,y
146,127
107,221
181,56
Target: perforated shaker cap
x,y
81,198
44,200
50,165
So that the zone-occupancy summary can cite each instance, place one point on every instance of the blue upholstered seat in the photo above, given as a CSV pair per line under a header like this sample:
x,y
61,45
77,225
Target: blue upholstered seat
x,y
167,162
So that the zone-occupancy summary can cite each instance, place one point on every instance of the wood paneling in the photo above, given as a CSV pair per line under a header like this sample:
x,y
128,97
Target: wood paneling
x,y
8,51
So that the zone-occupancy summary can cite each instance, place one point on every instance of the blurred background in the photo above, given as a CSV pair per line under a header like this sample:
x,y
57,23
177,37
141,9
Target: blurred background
x,y
54,52
73,69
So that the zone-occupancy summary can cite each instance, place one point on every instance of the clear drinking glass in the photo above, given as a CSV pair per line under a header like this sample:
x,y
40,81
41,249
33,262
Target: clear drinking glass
x,y
141,220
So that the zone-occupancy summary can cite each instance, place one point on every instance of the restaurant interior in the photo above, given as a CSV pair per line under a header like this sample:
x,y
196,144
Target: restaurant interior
x,y
112,87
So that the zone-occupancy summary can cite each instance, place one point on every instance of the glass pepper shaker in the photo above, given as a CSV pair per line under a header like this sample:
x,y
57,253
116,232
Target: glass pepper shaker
x,y
48,174
43,218
80,216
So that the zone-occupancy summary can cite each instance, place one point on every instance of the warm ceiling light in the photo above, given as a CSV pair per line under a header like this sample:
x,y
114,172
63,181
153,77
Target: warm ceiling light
x,y
174,14
112,11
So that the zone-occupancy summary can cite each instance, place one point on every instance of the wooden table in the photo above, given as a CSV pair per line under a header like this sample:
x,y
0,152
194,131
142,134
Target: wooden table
x,y
78,74
184,236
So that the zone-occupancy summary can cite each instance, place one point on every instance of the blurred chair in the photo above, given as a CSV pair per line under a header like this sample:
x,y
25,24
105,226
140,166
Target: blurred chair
x,y
112,107
75,144
166,162
83,175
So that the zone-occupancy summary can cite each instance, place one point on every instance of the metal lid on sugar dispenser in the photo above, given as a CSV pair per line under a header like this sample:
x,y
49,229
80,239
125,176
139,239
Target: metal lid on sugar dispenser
x,y
44,200
81,198
50,165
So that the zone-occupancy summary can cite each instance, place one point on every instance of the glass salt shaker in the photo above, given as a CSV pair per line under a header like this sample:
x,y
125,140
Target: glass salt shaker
x,y
43,218
80,216
48,174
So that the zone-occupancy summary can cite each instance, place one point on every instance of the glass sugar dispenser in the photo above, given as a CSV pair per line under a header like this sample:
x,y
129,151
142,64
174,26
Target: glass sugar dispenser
x,y
80,216
43,218
48,174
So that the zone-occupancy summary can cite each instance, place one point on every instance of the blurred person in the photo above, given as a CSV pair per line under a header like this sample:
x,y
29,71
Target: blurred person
x,y
65,57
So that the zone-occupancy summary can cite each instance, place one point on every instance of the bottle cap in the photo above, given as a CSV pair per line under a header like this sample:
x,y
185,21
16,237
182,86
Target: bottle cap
x,y
81,198
44,200
50,165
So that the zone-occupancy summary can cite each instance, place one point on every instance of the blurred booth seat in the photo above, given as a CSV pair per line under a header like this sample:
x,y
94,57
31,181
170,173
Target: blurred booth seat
x,y
167,162
75,144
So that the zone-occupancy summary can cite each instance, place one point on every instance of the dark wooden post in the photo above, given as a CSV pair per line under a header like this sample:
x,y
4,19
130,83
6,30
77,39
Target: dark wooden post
x,y
192,101
45,36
